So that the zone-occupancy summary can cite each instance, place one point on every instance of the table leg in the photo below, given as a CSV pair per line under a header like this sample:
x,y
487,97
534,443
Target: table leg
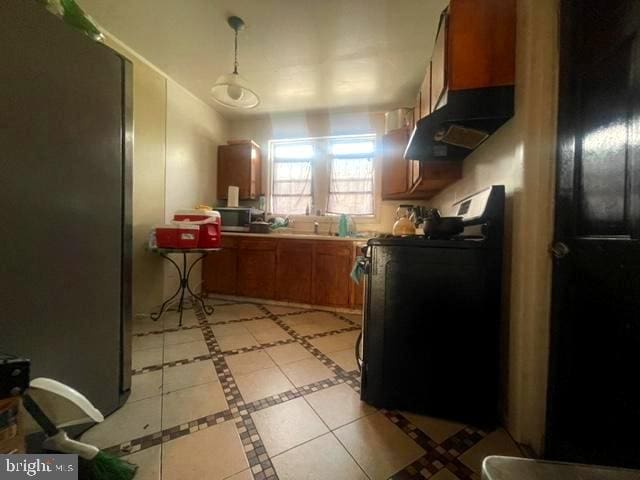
x,y
183,284
183,275
156,316
206,308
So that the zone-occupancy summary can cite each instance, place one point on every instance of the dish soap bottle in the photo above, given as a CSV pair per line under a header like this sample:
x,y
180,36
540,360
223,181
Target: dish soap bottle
x,y
343,228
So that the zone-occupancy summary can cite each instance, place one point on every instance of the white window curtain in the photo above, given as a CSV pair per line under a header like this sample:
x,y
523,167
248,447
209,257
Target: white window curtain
x,y
332,174
292,189
351,186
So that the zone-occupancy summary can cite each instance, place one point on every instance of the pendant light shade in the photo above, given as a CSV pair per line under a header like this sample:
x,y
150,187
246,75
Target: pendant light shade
x,y
231,90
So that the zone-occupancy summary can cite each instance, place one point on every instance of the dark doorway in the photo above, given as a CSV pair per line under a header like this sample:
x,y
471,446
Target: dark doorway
x,y
594,392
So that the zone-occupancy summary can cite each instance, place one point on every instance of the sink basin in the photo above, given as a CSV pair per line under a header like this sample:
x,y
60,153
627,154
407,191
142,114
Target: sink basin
x,y
302,234
292,233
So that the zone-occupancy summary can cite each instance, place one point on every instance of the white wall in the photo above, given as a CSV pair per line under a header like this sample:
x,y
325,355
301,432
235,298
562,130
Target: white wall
x,y
174,167
521,156
194,131
149,127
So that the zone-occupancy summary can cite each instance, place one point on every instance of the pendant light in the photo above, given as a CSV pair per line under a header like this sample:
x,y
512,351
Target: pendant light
x,y
231,90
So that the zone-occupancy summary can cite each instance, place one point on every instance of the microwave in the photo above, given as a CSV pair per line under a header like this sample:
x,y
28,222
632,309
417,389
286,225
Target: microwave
x,y
235,219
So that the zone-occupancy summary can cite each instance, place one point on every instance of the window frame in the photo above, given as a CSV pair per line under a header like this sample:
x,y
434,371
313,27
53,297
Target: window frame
x,y
321,174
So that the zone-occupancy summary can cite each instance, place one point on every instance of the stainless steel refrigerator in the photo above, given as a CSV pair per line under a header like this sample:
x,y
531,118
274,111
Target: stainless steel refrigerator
x,y
65,203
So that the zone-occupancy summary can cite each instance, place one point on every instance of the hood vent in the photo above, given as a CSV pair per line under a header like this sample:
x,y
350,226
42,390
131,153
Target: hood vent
x,y
467,119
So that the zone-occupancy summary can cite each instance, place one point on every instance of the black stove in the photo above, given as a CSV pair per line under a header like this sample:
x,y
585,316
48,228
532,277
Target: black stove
x,y
432,317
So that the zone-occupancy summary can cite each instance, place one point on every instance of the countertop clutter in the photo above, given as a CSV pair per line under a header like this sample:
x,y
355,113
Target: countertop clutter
x,y
298,236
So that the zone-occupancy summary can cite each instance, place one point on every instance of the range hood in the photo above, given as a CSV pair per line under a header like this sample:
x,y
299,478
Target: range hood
x,y
467,118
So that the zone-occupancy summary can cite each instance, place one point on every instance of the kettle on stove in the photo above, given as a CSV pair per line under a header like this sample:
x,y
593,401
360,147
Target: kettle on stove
x,y
404,225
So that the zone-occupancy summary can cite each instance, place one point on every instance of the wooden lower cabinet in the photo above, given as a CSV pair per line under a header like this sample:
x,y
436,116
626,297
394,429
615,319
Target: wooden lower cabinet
x,y
220,269
331,274
299,271
257,268
294,272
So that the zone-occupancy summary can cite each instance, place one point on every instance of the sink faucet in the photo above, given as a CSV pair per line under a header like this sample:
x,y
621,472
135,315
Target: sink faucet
x,y
316,225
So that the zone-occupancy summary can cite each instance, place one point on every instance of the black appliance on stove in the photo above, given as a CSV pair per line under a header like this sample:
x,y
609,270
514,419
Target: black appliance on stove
x,y
432,317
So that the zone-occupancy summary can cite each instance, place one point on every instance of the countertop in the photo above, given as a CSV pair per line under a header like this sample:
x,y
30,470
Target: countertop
x,y
297,236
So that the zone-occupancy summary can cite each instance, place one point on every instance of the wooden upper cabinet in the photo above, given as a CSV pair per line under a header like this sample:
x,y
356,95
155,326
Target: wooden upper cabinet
x,y
240,164
417,114
439,64
481,43
434,177
425,94
394,167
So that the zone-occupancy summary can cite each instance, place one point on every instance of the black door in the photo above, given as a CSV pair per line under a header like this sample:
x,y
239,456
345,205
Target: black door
x,y
594,399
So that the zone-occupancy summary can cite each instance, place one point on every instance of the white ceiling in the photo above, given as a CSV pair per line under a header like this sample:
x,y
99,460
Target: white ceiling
x,y
296,54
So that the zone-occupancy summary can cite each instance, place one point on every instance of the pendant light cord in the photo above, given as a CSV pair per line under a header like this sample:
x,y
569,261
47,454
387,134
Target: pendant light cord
x,y
235,62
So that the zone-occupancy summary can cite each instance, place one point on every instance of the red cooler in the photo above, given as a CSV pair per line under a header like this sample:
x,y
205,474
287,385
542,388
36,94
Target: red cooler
x,y
177,235
208,222
167,236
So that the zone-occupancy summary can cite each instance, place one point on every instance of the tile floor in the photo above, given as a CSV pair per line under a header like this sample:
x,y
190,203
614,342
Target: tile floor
x,y
267,392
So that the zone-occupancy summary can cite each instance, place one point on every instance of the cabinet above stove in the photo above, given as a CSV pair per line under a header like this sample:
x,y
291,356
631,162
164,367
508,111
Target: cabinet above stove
x,y
468,90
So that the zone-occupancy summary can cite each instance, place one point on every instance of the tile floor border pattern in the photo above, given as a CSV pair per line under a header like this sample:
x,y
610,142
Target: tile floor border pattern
x,y
238,409
332,332
437,457
254,449
325,360
166,330
175,363
254,348
297,310
237,320
267,314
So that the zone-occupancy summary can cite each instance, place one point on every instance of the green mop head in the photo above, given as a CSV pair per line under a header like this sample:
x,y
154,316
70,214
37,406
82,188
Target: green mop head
x,y
106,467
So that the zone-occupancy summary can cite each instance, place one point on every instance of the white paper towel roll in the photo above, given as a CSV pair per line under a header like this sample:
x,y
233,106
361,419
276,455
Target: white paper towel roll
x,y
232,196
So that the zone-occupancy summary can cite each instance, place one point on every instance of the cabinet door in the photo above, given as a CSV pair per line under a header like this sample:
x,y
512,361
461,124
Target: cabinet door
x,y
256,172
438,64
220,272
331,273
425,94
435,176
257,268
414,173
294,271
482,42
394,167
234,168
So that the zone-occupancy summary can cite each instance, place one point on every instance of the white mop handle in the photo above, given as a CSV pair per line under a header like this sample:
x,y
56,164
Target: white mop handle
x,y
60,442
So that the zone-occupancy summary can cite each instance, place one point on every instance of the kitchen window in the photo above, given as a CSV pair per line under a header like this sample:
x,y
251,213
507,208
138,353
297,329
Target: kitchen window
x,y
332,175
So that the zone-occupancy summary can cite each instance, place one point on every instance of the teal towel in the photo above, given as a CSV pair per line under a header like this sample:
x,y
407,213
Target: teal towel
x,y
358,269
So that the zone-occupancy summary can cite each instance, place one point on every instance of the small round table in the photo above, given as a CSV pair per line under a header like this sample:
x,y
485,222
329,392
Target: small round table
x,y
183,274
